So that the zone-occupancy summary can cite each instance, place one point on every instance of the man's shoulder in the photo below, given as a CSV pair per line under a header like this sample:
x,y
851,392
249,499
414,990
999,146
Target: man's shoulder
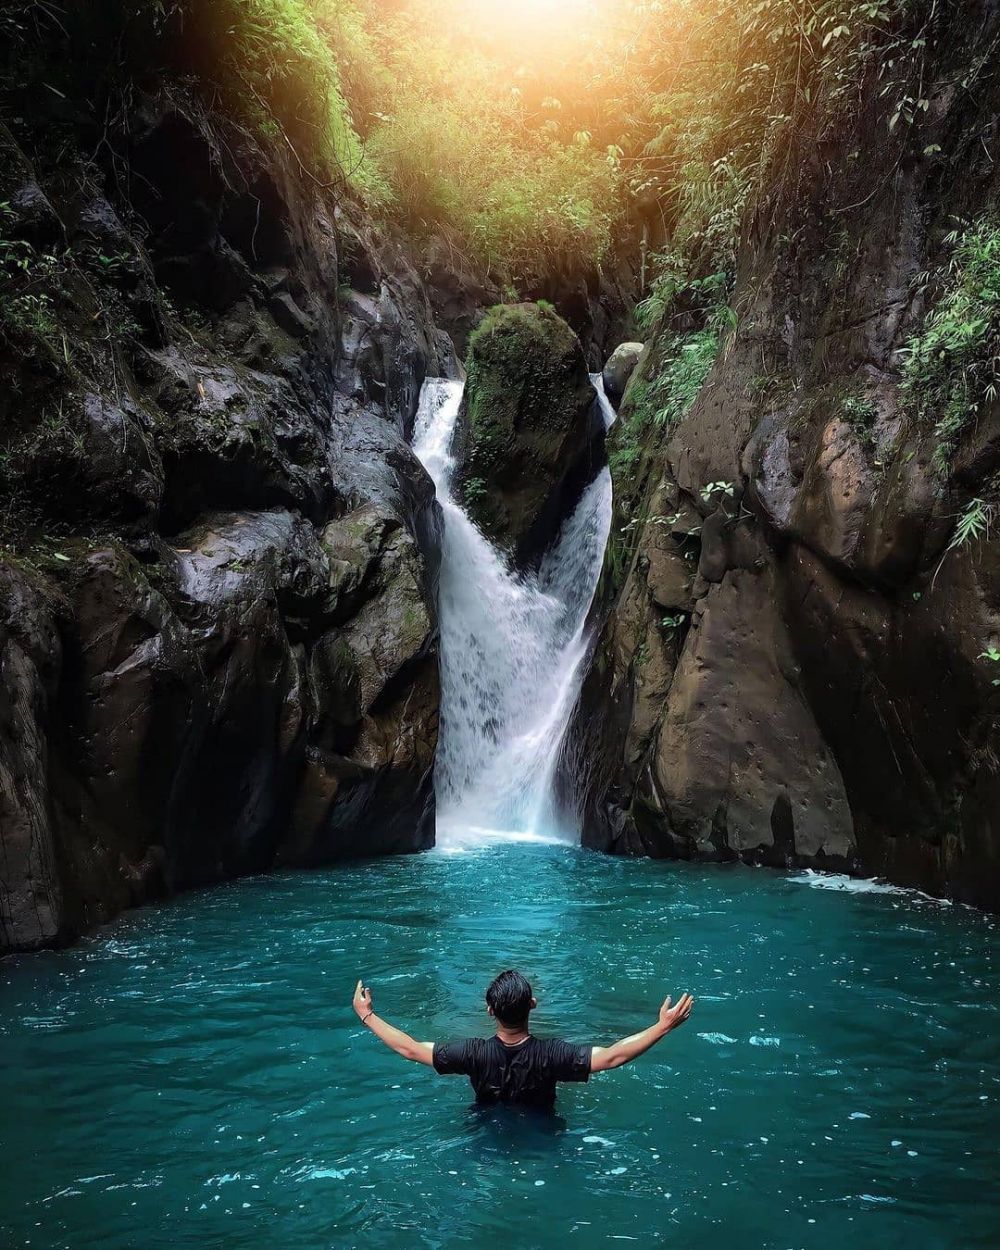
x,y
569,1061
457,1056
467,1048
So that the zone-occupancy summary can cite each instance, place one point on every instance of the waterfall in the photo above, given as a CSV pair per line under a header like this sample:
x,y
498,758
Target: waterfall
x,y
513,647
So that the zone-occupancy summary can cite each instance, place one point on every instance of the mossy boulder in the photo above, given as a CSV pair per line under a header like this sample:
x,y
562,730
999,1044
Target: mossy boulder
x,y
528,430
619,368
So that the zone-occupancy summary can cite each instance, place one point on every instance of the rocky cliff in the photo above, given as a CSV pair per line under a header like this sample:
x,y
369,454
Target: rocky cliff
x,y
217,620
802,608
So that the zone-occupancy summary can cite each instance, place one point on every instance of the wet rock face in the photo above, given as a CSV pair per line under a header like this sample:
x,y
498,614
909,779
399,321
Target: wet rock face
x,y
227,660
739,763
528,432
234,437
376,680
794,664
30,661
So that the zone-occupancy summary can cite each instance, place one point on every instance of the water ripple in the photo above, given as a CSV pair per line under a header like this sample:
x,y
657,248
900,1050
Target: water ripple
x,y
194,1076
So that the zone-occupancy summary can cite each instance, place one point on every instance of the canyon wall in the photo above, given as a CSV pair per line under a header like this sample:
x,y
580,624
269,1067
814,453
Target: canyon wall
x,y
795,658
217,616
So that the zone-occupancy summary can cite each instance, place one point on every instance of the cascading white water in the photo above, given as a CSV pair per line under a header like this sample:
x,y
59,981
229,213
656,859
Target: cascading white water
x,y
512,651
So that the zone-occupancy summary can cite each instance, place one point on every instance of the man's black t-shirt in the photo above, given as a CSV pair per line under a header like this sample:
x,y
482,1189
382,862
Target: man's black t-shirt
x,y
524,1074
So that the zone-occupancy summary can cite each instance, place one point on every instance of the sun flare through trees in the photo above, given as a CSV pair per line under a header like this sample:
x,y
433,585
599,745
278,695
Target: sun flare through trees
x,y
539,134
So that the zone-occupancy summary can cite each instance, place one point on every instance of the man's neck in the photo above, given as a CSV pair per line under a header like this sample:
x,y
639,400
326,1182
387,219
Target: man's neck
x,y
511,1036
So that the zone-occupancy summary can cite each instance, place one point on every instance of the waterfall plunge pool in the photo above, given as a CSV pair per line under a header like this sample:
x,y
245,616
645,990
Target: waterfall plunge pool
x,y
194,1076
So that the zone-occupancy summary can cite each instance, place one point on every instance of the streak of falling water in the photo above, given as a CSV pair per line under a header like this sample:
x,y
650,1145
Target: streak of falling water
x,y
512,652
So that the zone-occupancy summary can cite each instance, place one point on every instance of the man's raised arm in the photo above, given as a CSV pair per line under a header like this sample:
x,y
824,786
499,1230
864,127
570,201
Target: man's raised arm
x,y
603,1058
395,1039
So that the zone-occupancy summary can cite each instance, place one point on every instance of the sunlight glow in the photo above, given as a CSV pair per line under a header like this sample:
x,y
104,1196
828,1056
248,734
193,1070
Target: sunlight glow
x,y
528,17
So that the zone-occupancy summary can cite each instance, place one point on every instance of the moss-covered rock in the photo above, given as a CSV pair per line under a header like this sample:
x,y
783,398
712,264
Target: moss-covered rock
x,y
527,431
619,368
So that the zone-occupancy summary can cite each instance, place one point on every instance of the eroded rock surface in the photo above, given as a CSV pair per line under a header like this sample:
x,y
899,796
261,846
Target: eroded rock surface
x,y
30,662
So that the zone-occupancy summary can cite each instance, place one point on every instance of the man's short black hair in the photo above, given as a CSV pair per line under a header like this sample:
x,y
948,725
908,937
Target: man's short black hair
x,y
509,998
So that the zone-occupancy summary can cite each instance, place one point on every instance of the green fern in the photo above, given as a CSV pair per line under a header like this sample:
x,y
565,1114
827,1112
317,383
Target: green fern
x,y
974,523
952,367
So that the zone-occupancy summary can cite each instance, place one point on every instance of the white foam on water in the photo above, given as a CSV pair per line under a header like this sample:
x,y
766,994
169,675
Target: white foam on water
x,y
860,885
513,648
455,835
308,1173
839,881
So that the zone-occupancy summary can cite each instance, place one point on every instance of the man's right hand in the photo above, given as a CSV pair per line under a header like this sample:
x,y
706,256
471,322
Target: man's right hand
x,y
363,1001
673,1017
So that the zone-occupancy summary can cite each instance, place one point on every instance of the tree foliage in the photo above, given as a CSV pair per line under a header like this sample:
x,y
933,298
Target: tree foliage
x,y
952,367
537,137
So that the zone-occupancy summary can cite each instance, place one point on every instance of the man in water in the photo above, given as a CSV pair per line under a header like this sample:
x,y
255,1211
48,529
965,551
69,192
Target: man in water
x,y
514,1067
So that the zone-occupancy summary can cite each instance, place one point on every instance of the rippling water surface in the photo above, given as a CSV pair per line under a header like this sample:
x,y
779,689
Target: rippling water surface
x,y
194,1075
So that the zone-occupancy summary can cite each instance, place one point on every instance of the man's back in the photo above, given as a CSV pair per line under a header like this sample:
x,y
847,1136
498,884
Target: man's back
x,y
521,1073
514,1067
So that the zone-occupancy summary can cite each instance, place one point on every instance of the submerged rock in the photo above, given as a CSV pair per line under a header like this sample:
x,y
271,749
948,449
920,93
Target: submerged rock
x,y
619,368
528,432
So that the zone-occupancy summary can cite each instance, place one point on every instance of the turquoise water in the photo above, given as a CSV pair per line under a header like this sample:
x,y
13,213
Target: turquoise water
x,y
194,1076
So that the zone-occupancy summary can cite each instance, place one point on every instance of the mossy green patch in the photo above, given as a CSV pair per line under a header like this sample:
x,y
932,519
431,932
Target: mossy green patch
x,y
527,398
860,413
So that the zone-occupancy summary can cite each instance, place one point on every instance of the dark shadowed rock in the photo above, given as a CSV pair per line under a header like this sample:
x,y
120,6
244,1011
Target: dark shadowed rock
x,y
234,438
129,712
31,902
231,660
292,319
31,213
457,293
374,685
93,456
247,586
